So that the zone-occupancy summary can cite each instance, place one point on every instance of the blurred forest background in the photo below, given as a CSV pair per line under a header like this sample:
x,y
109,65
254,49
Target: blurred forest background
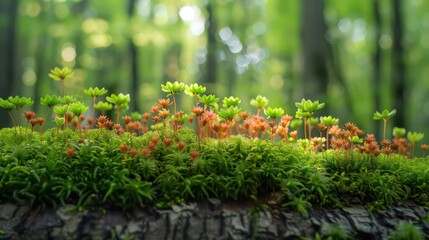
x,y
356,56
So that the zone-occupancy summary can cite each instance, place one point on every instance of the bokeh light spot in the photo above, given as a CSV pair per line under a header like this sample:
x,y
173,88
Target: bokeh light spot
x,y
385,42
277,81
68,54
29,77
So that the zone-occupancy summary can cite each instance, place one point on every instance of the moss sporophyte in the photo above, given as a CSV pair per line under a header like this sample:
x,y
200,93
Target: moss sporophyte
x,y
155,158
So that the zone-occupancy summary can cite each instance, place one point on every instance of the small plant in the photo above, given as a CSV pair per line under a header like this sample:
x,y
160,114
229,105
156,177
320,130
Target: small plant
x,y
49,101
329,121
407,231
8,106
103,107
20,102
59,121
77,109
209,101
194,90
335,232
273,114
385,115
398,132
173,89
229,115
120,101
231,102
299,204
94,93
259,102
306,109
60,75
414,137
61,110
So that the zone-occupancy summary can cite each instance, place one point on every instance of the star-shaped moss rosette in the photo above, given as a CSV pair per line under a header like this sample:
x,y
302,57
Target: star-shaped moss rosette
x,y
385,115
94,93
194,90
78,108
58,74
274,113
414,137
20,102
8,106
329,121
306,109
172,89
120,101
103,107
230,101
210,101
229,114
50,102
259,102
398,132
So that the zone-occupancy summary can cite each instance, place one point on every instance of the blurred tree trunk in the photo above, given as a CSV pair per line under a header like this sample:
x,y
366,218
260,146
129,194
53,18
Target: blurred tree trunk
x,y
211,63
398,65
8,30
314,50
44,46
377,63
134,63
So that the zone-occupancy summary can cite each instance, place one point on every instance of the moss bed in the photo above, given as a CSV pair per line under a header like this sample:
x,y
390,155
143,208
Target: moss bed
x,y
100,169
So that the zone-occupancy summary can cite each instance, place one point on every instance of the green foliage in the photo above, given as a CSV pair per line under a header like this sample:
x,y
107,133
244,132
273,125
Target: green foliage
x,y
398,132
259,102
384,115
130,167
58,74
95,92
6,104
414,137
333,232
194,90
329,120
355,140
299,204
61,110
119,100
229,114
77,108
66,100
103,106
274,113
306,108
20,102
407,231
210,100
59,121
49,100
231,102
173,88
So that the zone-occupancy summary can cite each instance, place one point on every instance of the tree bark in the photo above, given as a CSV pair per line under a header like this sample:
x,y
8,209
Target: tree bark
x,y
377,63
134,63
398,65
8,30
314,50
211,63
